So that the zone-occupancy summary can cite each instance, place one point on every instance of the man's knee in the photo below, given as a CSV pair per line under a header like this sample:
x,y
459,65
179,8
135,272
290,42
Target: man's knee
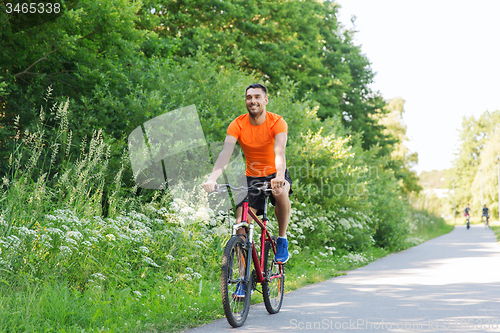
x,y
282,194
239,214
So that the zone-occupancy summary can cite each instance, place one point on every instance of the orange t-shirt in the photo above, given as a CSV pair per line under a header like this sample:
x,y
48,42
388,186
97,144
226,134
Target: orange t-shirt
x,y
257,142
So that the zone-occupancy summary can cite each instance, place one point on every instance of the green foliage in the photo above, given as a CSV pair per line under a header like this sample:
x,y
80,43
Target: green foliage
x,y
301,40
476,158
402,160
93,55
432,179
488,176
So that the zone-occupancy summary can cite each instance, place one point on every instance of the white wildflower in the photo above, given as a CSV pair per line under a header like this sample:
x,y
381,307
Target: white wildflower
x,y
74,234
345,223
65,251
150,261
99,276
25,231
110,237
186,277
87,243
54,231
70,241
13,240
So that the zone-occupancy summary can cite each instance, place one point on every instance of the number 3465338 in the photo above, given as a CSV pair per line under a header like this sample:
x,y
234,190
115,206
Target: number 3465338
x,y
32,8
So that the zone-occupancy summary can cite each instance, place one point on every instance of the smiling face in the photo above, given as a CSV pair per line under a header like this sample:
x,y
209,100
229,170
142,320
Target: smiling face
x,y
256,101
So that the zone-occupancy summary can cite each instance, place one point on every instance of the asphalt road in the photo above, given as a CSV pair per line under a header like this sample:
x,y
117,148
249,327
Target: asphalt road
x,y
448,284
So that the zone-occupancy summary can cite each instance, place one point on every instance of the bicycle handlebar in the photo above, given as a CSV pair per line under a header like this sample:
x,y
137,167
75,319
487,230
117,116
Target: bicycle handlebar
x,y
262,186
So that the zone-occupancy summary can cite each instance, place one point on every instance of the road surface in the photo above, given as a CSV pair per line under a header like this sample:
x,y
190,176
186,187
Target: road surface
x,y
448,284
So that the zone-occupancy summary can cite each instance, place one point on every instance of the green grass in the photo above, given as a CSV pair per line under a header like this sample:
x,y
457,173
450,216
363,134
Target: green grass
x,y
425,226
496,230
55,307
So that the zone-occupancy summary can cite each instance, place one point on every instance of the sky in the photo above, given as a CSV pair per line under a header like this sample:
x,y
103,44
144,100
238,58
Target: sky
x,y
442,57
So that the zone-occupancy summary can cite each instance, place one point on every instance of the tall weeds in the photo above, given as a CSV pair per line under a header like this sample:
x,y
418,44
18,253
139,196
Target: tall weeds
x,y
44,173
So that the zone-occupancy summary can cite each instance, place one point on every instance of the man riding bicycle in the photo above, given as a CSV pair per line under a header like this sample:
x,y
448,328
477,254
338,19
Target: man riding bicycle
x,y
467,215
485,214
262,136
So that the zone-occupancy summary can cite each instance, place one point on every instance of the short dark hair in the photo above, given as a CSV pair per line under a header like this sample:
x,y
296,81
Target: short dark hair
x,y
257,86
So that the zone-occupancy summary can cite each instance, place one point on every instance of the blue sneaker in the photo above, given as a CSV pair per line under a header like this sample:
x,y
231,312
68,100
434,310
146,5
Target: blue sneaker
x,y
240,291
281,250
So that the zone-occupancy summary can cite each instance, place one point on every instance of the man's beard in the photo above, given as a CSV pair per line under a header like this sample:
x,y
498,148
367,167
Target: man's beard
x,y
255,114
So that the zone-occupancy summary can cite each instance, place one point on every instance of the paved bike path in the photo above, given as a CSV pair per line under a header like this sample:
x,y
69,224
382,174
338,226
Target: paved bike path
x,y
448,284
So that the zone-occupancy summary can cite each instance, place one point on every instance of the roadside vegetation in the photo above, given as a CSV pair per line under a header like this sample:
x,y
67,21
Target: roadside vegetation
x,y
496,230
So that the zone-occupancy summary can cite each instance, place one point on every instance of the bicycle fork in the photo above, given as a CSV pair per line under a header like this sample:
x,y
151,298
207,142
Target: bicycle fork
x,y
245,265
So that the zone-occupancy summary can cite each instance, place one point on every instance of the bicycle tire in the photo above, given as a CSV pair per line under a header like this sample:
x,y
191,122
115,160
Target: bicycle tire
x,y
235,309
272,289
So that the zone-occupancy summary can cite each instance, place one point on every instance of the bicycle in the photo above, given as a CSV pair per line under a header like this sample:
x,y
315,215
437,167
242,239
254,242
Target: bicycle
x,y
236,263
467,219
485,220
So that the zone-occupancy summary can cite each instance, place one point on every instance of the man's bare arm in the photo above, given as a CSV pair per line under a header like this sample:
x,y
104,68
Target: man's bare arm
x,y
279,153
221,163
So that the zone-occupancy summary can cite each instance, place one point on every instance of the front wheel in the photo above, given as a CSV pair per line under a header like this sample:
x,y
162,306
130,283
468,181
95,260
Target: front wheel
x,y
235,293
274,275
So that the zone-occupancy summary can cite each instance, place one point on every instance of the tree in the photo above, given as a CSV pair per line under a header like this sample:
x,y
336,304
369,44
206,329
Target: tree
x,y
487,174
473,138
94,55
301,40
402,160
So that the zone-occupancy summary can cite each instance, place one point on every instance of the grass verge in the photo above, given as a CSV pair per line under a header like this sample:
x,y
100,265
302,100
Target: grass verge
x,y
496,230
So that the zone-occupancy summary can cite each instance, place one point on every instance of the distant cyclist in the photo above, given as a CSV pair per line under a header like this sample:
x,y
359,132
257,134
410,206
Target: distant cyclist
x,y
485,214
467,215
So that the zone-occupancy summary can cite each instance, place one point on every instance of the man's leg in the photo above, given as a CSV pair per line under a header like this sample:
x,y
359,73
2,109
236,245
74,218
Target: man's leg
x,y
282,208
239,216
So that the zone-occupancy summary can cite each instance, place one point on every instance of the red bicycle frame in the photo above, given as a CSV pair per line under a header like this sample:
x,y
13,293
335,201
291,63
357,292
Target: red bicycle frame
x,y
265,236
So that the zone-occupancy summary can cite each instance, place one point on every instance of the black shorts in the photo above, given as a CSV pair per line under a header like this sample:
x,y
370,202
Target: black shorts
x,y
256,198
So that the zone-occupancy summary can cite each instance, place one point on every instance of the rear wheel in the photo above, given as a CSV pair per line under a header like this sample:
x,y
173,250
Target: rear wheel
x,y
232,285
273,286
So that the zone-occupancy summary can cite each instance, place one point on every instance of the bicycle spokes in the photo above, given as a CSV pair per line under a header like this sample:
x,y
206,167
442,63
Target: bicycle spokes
x,y
235,292
272,288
